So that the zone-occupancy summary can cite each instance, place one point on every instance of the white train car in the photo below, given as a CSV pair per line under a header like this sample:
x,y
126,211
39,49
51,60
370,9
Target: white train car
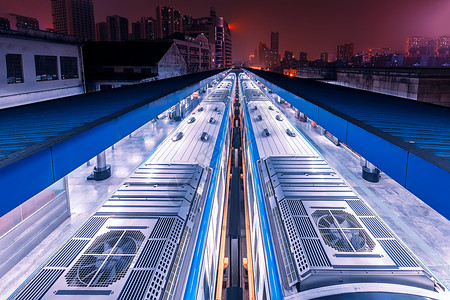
x,y
157,236
313,237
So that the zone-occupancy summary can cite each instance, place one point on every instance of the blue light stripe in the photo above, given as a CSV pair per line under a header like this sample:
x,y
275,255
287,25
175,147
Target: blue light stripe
x,y
194,273
272,269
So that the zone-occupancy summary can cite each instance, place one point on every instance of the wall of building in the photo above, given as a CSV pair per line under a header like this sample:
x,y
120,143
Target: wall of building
x,y
30,90
426,85
172,64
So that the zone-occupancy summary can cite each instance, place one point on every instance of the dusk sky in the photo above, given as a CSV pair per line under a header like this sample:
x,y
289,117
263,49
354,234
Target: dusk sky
x,y
303,25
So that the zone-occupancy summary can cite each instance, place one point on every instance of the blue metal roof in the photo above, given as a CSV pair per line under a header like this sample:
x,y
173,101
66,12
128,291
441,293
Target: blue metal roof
x,y
42,142
29,128
409,140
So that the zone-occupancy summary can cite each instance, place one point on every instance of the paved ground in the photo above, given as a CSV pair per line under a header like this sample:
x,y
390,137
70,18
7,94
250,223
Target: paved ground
x,y
423,230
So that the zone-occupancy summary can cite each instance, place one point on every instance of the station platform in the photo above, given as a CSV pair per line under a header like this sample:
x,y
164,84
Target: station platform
x,y
87,196
418,225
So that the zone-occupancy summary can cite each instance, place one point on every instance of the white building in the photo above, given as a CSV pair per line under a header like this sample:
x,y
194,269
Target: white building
x,y
37,66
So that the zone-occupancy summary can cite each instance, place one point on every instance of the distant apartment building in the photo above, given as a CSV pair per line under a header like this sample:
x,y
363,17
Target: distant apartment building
x,y
443,45
274,56
74,17
324,56
416,45
144,29
5,23
114,64
26,22
37,66
263,55
303,58
345,52
197,52
101,32
168,21
218,33
117,28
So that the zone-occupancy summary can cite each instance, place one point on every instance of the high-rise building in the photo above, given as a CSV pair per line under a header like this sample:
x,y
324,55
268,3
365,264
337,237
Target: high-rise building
x,y
274,41
5,24
26,22
416,45
118,28
144,29
274,59
168,21
303,58
443,45
345,52
264,54
74,17
288,55
324,56
218,33
102,32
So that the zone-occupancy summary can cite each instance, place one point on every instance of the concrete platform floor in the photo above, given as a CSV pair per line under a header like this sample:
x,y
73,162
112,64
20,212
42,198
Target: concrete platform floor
x,y
422,229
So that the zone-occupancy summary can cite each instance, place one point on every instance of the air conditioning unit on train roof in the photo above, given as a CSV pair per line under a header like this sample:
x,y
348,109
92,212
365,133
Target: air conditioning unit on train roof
x,y
345,239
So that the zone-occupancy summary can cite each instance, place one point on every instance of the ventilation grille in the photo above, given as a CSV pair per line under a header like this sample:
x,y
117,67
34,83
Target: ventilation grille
x,y
150,254
359,208
174,275
136,285
269,189
106,260
39,285
289,268
91,227
296,207
305,227
296,246
398,254
376,228
316,255
68,253
162,228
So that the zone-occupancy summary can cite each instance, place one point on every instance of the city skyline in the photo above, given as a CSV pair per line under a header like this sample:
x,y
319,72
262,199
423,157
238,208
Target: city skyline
x,y
303,27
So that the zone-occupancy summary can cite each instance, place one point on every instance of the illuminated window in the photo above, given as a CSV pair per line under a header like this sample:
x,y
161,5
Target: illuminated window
x,y
69,67
46,68
14,72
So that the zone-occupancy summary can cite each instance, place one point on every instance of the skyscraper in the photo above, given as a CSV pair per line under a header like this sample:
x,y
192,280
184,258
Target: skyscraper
x,y
118,28
218,33
74,17
168,21
443,45
274,41
144,29
102,32
416,45
345,52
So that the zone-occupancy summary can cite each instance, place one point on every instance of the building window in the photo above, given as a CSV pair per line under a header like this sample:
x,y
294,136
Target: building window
x,y
46,67
69,67
14,71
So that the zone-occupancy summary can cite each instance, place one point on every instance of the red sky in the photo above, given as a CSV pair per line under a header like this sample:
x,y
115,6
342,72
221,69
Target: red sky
x,y
313,26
